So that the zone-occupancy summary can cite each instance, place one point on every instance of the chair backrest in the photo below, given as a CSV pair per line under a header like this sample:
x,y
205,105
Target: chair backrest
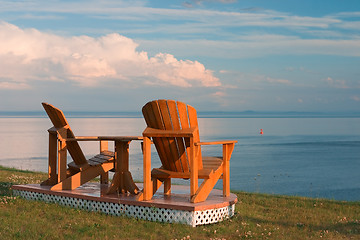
x,y
172,115
59,121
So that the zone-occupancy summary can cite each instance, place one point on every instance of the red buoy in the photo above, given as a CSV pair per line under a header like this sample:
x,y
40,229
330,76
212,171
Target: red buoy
x,y
261,131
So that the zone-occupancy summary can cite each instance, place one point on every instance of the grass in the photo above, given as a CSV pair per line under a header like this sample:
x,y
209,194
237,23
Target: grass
x,y
258,216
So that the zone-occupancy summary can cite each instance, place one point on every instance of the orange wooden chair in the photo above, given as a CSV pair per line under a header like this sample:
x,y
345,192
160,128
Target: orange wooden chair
x,y
173,128
62,139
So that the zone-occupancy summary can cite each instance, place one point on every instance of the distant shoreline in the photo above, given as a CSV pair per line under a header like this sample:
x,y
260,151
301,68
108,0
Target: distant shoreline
x,y
204,114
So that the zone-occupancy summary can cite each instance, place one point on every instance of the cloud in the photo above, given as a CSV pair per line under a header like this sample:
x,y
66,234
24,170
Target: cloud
x,y
236,34
219,94
28,54
199,2
140,11
355,98
336,83
355,25
265,79
260,45
221,98
278,81
13,85
347,14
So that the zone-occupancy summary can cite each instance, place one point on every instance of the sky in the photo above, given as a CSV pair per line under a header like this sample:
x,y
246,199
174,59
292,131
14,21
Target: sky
x,y
216,55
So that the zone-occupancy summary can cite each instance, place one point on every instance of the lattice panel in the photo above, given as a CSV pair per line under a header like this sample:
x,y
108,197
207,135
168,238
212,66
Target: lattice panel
x,y
213,215
146,213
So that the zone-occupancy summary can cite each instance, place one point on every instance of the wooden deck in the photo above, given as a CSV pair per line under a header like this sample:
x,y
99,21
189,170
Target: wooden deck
x,y
173,208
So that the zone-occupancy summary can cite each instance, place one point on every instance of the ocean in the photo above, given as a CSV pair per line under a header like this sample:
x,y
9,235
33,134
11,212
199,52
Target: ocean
x,y
298,154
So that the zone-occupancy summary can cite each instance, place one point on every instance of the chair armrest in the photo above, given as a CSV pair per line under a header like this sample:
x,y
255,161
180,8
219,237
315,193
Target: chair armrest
x,y
152,132
75,139
216,142
104,138
120,138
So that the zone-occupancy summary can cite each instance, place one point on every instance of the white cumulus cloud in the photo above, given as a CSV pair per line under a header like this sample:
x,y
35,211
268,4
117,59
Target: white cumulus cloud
x,y
28,54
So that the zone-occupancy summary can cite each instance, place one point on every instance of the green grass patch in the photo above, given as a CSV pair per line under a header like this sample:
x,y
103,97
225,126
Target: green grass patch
x,y
258,216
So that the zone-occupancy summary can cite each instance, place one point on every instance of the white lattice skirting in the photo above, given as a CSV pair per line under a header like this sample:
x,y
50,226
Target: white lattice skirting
x,y
192,218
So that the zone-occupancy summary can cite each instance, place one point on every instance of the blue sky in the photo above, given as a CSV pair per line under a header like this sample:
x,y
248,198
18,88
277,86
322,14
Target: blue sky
x,y
228,55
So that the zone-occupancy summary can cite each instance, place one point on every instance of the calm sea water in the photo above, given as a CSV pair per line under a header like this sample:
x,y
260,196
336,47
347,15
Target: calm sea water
x,y
305,156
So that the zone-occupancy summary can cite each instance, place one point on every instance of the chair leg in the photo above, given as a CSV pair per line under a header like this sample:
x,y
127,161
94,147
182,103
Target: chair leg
x,y
167,186
156,183
207,185
226,178
104,178
227,151
147,191
53,177
226,183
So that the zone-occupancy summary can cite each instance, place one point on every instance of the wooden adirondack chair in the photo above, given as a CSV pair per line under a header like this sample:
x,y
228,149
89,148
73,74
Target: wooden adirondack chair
x,y
81,170
173,128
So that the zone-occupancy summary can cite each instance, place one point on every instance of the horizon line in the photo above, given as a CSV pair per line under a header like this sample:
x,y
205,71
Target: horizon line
x,y
201,114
